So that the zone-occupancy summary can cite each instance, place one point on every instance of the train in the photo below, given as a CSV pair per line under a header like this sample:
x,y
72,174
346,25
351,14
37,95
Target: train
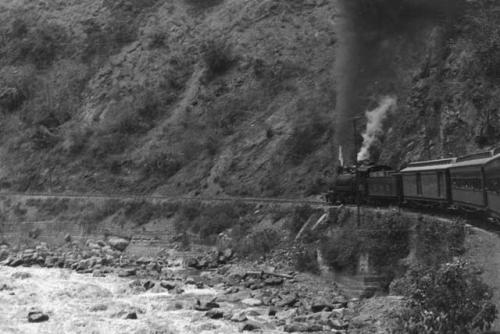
x,y
470,183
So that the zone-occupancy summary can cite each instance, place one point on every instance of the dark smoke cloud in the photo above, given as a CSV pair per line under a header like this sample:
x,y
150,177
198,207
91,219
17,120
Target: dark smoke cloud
x,y
364,26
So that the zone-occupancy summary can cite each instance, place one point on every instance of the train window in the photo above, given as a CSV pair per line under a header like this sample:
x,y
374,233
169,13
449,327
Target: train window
x,y
493,184
467,184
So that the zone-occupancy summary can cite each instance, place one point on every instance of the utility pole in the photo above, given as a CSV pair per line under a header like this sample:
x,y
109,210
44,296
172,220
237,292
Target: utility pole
x,y
356,170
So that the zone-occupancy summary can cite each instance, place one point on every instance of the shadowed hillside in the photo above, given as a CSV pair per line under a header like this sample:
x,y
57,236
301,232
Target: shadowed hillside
x,y
228,97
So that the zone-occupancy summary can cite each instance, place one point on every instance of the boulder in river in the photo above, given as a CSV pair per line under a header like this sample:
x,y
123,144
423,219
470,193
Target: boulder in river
x,y
302,327
37,316
239,317
16,262
118,243
169,285
205,306
252,302
191,262
126,272
214,314
21,275
131,316
250,326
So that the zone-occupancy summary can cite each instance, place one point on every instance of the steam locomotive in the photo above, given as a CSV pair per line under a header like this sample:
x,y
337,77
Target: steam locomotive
x,y
470,182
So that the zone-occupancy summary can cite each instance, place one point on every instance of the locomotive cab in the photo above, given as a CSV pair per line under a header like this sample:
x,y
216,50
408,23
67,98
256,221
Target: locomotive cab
x,y
351,182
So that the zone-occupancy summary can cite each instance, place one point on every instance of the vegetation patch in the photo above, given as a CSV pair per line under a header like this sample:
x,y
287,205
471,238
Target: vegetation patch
x,y
218,57
306,260
451,299
210,220
385,238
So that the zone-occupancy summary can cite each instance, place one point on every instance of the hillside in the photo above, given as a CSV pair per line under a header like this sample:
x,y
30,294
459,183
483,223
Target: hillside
x,y
230,97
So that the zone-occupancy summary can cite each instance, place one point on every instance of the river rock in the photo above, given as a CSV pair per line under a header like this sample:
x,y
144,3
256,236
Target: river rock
x,y
301,327
50,261
273,281
4,254
169,285
190,281
320,304
191,263
250,326
21,275
148,285
239,317
37,316
16,262
286,314
214,314
337,324
144,260
99,308
252,302
287,301
118,243
205,306
130,316
127,272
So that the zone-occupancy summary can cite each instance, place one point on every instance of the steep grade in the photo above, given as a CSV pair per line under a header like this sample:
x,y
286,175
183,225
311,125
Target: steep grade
x,y
227,97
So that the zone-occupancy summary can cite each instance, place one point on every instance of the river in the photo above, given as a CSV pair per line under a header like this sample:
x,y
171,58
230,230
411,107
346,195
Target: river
x,y
80,303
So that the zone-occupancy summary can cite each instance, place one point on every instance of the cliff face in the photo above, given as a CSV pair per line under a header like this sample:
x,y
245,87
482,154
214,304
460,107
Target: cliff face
x,y
224,97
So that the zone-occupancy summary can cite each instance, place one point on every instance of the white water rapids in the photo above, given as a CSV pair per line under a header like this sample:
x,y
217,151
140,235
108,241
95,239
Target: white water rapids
x,y
79,303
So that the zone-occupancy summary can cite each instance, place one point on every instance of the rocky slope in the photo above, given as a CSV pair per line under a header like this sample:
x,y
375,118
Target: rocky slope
x,y
224,97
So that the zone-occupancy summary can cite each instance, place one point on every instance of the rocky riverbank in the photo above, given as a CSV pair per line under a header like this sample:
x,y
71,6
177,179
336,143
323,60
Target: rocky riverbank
x,y
251,296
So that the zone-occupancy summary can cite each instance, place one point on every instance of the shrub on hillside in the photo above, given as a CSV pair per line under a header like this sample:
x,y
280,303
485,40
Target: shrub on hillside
x,y
52,207
203,4
96,213
109,39
190,211
306,261
307,133
484,36
217,56
208,221
439,241
76,140
55,98
258,243
384,237
451,299
300,216
227,113
36,42
164,164
16,86
101,145
341,252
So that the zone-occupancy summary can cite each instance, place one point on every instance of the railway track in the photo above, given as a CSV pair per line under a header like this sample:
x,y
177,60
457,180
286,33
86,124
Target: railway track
x,y
478,221
205,199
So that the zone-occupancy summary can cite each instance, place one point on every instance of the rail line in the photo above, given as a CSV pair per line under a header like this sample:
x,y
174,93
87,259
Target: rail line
x,y
477,221
256,200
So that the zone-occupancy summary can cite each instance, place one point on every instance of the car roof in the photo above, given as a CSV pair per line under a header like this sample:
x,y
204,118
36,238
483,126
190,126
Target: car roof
x,y
429,165
478,159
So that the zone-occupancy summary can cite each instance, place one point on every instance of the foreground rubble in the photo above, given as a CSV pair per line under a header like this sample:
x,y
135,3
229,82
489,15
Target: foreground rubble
x,y
255,297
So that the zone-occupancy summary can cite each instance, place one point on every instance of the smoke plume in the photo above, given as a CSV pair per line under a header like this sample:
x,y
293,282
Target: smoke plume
x,y
375,119
369,34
